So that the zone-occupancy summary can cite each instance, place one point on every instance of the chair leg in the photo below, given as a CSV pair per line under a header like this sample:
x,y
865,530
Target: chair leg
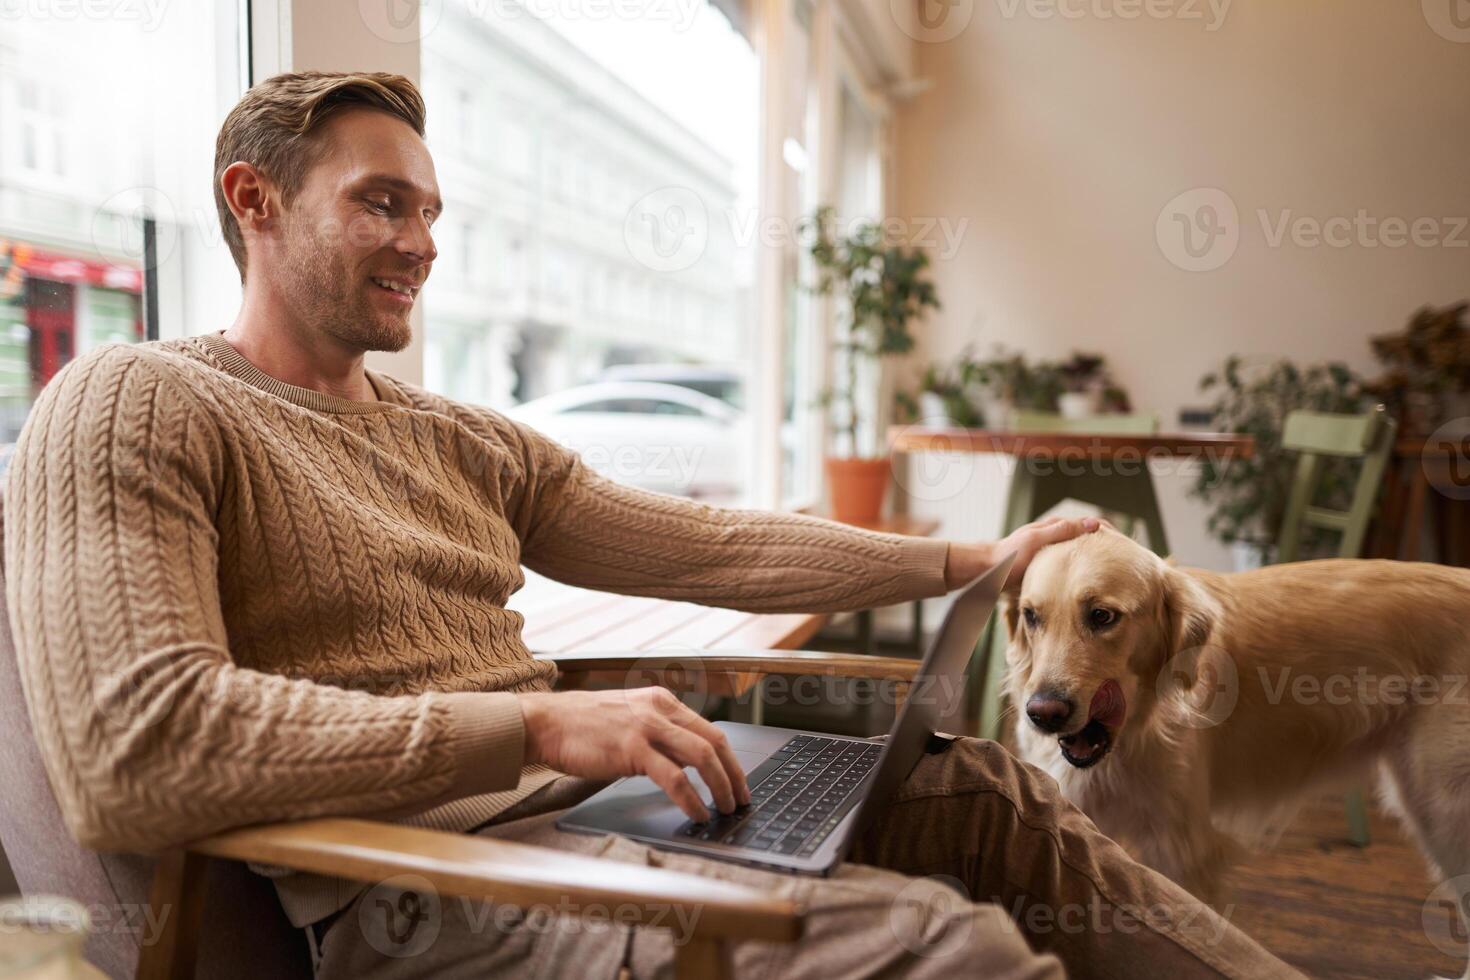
x,y
702,958
1357,818
177,901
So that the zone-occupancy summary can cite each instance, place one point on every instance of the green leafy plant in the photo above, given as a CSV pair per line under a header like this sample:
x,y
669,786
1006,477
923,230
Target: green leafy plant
x,y
1249,496
951,382
1082,372
1426,362
1008,376
884,288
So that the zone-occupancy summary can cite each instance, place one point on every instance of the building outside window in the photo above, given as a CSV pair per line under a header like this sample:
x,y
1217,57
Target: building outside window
x,y
615,171
105,182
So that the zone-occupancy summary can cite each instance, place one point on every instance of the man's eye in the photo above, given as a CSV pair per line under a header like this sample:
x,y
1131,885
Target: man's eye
x,y
382,207
1101,618
1030,616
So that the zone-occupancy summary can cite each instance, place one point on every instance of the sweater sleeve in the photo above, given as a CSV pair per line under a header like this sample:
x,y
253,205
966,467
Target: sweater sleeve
x,y
582,529
151,735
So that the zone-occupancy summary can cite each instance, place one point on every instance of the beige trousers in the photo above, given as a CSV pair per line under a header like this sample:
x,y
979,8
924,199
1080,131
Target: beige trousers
x,y
979,868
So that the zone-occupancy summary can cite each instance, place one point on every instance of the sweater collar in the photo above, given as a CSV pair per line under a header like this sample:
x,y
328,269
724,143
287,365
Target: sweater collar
x,y
236,364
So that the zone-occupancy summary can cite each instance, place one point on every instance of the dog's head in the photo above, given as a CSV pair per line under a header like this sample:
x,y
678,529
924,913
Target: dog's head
x,y
1096,621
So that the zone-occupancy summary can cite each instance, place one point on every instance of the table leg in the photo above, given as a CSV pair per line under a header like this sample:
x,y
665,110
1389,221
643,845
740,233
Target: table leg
x,y
987,665
751,709
1414,517
1153,521
864,623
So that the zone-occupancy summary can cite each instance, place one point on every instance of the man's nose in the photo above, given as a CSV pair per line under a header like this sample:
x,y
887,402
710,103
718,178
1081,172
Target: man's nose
x,y
416,241
1049,711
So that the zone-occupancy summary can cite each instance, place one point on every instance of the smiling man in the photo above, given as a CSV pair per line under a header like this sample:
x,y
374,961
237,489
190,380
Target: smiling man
x,y
251,580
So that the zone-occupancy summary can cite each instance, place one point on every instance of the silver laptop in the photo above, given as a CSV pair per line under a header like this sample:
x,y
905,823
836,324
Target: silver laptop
x,y
811,794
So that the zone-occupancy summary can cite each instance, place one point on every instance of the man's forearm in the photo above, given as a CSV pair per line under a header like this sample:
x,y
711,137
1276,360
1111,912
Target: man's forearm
x,y
607,536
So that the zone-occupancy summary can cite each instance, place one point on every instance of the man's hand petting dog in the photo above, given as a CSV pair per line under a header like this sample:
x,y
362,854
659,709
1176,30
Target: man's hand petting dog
x,y
967,561
643,731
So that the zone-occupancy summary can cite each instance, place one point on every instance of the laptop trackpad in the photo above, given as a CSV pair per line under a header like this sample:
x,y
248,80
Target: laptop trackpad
x,y
637,805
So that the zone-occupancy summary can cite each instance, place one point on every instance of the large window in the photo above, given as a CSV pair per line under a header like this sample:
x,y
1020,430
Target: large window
x,y
107,230
596,272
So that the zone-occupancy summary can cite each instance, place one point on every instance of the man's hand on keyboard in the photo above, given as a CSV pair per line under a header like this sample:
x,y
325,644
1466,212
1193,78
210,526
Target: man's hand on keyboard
x,y
643,731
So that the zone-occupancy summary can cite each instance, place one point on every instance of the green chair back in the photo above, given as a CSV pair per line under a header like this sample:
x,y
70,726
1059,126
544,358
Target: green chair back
x,y
1024,420
1318,436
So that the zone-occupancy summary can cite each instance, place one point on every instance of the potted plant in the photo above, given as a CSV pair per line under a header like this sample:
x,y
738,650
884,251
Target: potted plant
x,y
1428,376
883,288
1249,496
1082,376
943,398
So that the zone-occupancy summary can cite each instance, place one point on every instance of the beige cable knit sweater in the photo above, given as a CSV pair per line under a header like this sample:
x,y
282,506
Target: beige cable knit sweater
x,y
235,600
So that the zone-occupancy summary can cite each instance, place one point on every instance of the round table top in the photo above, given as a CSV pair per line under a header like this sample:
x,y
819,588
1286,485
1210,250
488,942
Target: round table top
x,y
920,438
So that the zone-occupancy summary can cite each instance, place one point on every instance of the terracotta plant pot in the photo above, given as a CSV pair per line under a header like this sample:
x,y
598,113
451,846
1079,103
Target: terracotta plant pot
x,y
858,486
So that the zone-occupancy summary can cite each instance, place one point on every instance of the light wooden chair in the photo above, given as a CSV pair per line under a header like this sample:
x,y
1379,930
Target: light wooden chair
x,y
1318,437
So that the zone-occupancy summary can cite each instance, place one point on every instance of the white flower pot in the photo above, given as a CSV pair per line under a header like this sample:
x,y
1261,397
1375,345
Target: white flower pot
x,y
997,413
1077,404
932,410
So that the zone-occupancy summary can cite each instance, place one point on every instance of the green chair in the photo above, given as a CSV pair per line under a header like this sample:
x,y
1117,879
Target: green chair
x,y
1124,496
1319,437
1024,420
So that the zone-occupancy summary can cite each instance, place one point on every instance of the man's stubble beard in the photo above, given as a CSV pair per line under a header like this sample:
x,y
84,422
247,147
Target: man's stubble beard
x,y
330,301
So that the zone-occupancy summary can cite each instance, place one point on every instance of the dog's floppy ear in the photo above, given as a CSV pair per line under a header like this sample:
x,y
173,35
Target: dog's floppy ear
x,y
1190,614
1010,608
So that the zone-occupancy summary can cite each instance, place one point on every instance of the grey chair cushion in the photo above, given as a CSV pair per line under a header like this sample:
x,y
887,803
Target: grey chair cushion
x,y
245,933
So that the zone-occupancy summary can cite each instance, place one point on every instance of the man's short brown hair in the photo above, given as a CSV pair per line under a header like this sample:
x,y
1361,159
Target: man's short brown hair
x,y
272,128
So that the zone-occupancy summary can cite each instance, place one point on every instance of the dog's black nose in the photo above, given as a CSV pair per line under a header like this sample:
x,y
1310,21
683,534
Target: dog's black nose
x,y
1049,712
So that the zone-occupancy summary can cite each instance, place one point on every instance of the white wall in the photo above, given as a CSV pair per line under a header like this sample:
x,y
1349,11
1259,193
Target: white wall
x,y
1061,139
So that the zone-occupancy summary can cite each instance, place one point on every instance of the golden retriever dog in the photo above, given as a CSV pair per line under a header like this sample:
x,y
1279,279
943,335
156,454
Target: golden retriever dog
x,y
1188,712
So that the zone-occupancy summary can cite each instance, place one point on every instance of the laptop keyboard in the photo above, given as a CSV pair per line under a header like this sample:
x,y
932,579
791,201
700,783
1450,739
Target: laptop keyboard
x,y
809,786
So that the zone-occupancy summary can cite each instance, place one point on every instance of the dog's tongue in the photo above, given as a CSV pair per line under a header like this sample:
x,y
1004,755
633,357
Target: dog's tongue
x,y
1108,705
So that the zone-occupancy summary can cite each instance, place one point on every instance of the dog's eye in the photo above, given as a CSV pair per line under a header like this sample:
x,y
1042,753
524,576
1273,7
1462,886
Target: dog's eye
x,y
1100,618
1030,615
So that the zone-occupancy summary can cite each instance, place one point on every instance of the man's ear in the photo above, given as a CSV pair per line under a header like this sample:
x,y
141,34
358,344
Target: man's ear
x,y
1190,615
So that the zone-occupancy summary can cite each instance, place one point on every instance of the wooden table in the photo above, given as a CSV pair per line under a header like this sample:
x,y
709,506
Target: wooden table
x,y
561,619
1108,471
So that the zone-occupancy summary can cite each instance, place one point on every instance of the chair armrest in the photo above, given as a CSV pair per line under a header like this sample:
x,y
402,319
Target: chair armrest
x,y
512,874
756,662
